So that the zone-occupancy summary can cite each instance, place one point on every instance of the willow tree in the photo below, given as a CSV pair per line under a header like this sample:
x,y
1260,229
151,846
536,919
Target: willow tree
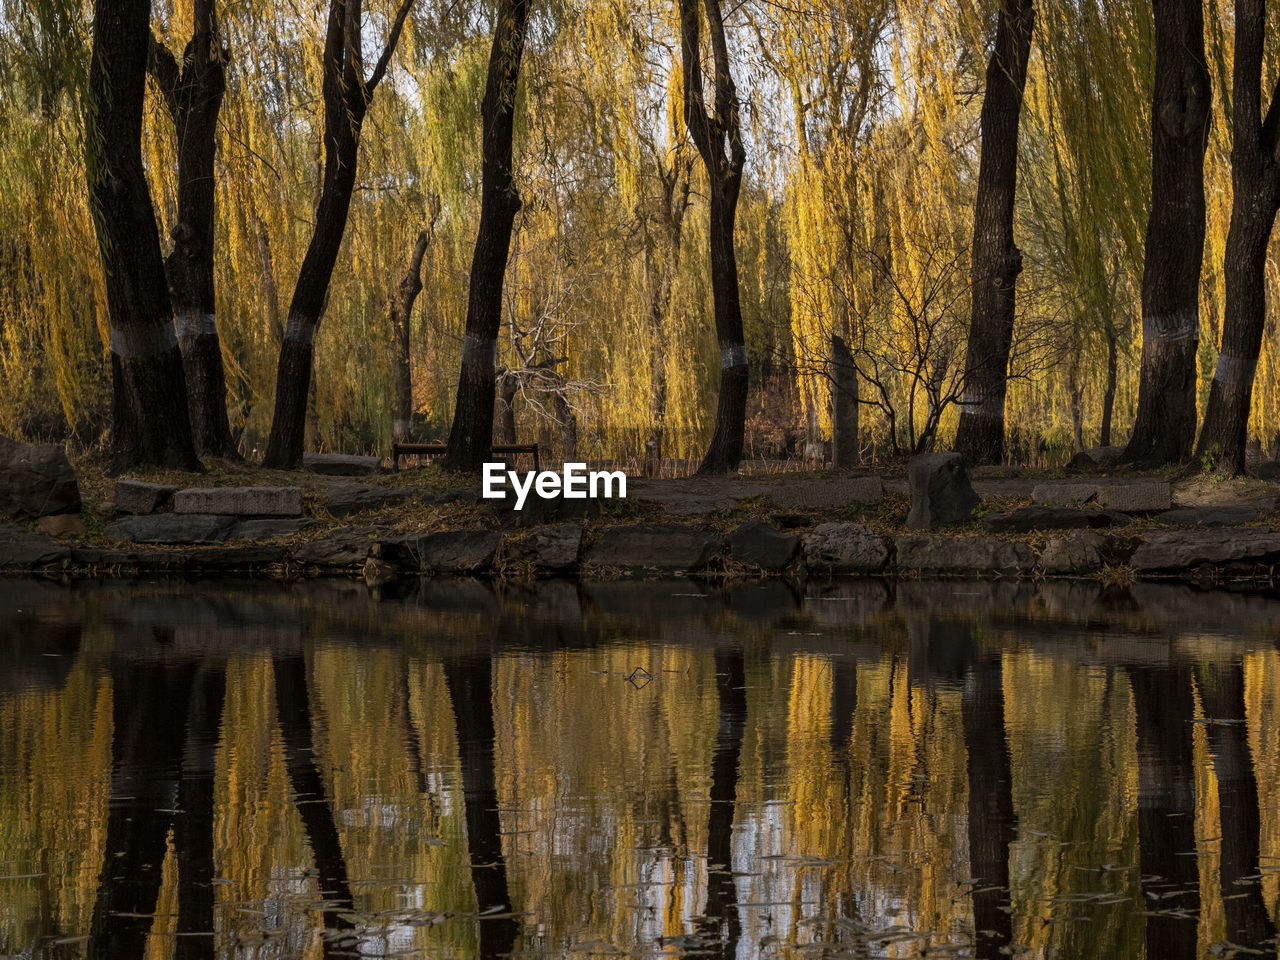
x,y
347,95
150,424
1255,199
997,261
193,89
718,137
1165,427
471,435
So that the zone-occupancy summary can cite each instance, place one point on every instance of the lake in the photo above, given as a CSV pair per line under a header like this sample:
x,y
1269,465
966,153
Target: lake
x,y
450,769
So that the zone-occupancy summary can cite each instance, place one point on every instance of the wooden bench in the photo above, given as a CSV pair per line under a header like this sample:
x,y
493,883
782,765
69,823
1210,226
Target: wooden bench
x,y
438,449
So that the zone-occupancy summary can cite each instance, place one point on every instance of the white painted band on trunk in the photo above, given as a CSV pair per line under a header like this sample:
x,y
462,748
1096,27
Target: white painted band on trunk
x,y
479,350
400,428
1231,369
148,341
976,405
197,325
735,356
300,330
1171,329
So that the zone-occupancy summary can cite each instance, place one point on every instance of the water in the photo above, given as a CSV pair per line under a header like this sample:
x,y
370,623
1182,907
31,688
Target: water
x,y
659,770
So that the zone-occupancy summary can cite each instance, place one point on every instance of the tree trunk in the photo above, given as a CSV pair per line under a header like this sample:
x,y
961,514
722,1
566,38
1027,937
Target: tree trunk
x,y
1109,392
470,684
1162,701
675,202
996,259
401,311
568,426
844,417
346,101
471,434
193,92
1255,198
1166,421
150,422
509,385
1249,922
710,133
991,819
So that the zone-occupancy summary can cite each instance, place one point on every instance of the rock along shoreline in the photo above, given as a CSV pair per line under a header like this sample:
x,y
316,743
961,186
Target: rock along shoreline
x,y
349,523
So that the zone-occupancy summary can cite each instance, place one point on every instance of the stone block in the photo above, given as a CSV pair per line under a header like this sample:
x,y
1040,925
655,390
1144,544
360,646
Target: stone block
x,y
1187,549
553,549
653,547
36,481
1077,553
172,528
940,491
341,548
240,501
20,549
1064,494
845,548
964,556
448,552
1143,496
140,497
760,545
268,528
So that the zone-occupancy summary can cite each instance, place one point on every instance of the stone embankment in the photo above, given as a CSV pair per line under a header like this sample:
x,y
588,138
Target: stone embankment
x,y
797,528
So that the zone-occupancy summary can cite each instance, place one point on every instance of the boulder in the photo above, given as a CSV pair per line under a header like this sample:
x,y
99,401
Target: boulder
x,y
36,481
1143,496
140,497
172,528
1208,516
828,492
20,549
553,549
341,548
837,548
340,464
448,552
940,491
760,545
1026,519
353,498
268,528
653,547
1076,553
1095,460
62,525
1064,494
1187,549
240,501
973,556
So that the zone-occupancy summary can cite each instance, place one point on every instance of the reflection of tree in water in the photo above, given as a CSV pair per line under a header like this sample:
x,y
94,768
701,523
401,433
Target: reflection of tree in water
x,y
293,704
723,922
1162,700
1249,924
991,820
470,682
166,719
